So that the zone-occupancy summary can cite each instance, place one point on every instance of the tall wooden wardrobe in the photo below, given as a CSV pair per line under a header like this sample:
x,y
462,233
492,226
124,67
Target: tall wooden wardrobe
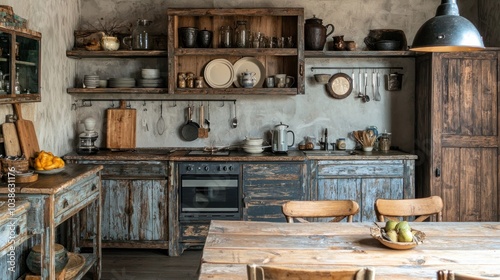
x,y
457,132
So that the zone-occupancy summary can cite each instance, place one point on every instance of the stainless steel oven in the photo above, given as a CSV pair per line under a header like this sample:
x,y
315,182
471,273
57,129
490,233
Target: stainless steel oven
x,y
209,190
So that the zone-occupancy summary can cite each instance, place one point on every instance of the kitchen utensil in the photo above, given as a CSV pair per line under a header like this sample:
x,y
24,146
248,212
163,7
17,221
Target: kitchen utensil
x,y
207,120
387,45
189,131
202,131
339,86
26,133
160,124
315,33
322,78
121,127
360,93
234,124
376,35
366,98
11,139
280,140
376,95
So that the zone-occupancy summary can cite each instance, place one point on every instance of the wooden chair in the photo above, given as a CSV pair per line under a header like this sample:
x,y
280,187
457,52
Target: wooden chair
x,y
256,272
338,209
450,275
421,208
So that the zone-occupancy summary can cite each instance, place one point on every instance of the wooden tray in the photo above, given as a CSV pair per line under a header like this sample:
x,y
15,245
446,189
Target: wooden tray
x,y
418,238
75,263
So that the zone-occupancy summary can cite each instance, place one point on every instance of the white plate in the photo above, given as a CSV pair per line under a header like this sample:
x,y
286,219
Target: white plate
x,y
250,64
219,73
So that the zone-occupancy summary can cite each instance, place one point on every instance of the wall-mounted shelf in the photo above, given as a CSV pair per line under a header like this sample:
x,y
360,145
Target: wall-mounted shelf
x,y
333,54
115,54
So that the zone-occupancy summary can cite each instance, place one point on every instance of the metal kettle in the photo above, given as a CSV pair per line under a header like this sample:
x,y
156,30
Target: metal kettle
x,y
279,138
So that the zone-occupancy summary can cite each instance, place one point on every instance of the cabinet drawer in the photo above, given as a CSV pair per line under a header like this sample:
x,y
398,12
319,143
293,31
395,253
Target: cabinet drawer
x,y
13,228
134,170
273,171
386,168
75,197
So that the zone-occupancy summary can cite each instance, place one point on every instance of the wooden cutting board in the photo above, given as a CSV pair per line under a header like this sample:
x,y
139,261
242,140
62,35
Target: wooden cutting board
x,y
26,133
11,141
120,128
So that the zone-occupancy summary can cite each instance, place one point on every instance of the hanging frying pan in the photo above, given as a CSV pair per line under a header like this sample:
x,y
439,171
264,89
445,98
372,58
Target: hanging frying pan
x,y
189,131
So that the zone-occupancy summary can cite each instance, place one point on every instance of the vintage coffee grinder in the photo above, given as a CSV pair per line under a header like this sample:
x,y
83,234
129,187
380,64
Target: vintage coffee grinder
x,y
88,138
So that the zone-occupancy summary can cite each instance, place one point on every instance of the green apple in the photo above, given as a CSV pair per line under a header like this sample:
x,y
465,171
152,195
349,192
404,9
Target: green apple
x,y
402,226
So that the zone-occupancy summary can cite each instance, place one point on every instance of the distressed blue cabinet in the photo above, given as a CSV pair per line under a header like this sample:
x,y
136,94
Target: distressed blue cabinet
x,y
266,186
363,181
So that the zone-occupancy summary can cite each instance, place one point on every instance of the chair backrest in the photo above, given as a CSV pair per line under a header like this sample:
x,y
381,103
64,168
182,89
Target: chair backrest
x,y
420,208
256,272
450,275
338,209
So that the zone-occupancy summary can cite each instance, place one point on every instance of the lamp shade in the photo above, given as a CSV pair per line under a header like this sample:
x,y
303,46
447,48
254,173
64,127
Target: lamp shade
x,y
447,32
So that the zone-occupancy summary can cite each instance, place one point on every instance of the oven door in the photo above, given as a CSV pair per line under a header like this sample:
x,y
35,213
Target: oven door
x,y
206,197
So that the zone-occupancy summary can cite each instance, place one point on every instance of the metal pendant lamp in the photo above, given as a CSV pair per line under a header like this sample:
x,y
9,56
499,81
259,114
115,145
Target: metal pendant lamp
x,y
447,32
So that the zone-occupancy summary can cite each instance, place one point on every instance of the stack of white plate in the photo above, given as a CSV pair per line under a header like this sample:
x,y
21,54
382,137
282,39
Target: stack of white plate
x,y
91,81
151,83
150,79
253,145
121,82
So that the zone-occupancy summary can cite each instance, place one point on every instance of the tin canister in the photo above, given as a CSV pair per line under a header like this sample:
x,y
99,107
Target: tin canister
x,y
341,144
384,142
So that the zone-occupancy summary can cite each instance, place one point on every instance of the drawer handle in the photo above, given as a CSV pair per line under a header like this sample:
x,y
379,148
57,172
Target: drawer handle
x,y
65,203
18,230
94,187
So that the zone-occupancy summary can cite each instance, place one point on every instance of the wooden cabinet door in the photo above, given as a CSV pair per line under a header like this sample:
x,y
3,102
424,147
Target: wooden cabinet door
x,y
363,190
266,186
457,126
115,219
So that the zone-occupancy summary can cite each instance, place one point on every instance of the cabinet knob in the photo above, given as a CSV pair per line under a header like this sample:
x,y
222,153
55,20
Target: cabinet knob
x,y
94,187
65,203
438,172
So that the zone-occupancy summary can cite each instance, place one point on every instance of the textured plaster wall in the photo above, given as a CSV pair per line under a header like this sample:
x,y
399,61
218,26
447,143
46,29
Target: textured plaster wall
x,y
53,120
489,15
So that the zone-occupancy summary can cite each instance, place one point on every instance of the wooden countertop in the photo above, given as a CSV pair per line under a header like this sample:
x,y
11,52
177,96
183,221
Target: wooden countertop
x,y
51,184
168,154
471,248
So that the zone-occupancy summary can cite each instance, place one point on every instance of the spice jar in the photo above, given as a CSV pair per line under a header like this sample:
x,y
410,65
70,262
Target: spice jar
x,y
384,142
198,82
241,33
190,80
181,80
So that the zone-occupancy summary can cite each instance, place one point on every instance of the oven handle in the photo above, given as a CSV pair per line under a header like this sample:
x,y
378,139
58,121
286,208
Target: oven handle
x,y
114,177
245,201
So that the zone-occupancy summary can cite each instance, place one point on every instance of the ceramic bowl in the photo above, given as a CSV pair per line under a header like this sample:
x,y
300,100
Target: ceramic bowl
x,y
254,141
253,149
322,78
388,45
150,73
33,261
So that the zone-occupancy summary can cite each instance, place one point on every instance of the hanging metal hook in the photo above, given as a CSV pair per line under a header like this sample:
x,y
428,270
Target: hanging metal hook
x,y
144,103
129,105
112,104
175,103
222,104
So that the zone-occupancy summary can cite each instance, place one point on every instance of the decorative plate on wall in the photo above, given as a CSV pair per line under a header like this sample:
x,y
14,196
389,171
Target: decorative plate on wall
x,y
339,86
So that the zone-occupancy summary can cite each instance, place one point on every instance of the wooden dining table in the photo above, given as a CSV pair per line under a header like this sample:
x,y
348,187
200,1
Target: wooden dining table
x,y
463,247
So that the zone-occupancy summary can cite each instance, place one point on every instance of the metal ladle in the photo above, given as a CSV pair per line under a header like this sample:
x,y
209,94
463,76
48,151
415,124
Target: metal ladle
x,y
234,124
366,98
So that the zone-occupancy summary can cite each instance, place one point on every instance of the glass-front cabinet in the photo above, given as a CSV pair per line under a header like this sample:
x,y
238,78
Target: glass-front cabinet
x,y
19,65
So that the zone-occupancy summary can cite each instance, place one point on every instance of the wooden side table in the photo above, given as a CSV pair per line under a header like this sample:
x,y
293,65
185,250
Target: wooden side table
x,y
56,198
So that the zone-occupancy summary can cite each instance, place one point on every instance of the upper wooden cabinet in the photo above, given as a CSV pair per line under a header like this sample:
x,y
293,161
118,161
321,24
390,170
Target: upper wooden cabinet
x,y
271,22
19,65
457,130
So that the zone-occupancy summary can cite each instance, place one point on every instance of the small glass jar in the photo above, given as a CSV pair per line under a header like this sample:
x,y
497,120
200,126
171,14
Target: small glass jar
x,y
241,34
226,37
140,36
384,142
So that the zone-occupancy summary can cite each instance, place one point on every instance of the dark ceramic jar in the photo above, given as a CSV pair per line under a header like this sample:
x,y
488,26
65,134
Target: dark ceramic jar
x,y
315,34
187,37
205,38
33,261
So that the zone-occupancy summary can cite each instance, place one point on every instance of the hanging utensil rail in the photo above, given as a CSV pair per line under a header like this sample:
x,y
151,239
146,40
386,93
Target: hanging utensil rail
x,y
340,68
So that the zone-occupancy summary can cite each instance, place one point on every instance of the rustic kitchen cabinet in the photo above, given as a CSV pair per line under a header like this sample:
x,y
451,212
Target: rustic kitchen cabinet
x,y
19,65
134,205
266,186
457,130
363,181
272,22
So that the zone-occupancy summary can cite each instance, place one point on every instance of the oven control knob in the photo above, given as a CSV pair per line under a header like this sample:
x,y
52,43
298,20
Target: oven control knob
x,y
206,168
189,168
230,168
224,168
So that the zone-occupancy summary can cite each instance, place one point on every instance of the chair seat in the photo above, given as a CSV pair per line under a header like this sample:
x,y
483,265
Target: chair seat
x,y
265,272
